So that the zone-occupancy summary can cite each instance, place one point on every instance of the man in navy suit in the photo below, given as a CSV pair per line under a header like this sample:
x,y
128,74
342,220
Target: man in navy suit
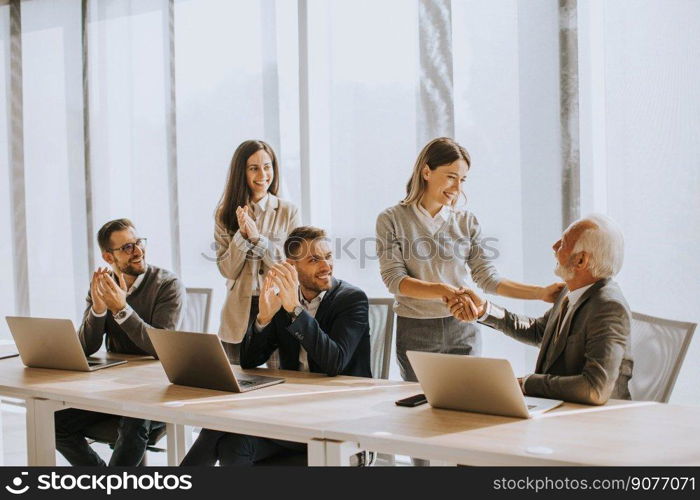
x,y
318,323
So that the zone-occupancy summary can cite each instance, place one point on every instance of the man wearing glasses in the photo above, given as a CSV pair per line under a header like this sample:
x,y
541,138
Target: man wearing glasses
x,y
123,301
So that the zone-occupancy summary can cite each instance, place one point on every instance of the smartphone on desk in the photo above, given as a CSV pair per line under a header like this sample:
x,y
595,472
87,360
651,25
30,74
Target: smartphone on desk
x,y
412,401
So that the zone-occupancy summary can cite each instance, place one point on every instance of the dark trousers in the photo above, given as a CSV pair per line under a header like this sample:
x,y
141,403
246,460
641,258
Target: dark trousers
x,y
237,449
445,335
132,438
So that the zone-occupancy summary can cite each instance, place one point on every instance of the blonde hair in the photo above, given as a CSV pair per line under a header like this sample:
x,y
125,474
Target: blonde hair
x,y
437,153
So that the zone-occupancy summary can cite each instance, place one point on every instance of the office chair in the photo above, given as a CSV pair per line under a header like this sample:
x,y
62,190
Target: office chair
x,y
381,335
658,350
195,319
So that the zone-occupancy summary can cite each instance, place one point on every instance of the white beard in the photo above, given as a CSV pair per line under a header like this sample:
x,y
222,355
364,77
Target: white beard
x,y
564,273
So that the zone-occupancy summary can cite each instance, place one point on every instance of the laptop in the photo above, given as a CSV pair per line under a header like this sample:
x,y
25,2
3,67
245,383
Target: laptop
x,y
481,385
199,360
53,343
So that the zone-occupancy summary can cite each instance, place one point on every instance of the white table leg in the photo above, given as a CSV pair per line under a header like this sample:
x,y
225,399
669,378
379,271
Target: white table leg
x,y
188,438
441,463
338,453
176,443
386,459
316,453
2,434
41,431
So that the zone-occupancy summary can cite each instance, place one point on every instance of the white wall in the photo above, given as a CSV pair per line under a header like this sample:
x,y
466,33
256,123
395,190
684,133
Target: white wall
x,y
652,121
540,146
7,288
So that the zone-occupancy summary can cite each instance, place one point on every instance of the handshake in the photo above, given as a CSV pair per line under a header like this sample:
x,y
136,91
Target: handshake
x,y
464,303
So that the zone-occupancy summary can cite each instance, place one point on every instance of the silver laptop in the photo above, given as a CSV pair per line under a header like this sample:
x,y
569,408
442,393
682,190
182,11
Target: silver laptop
x,y
481,385
199,360
53,343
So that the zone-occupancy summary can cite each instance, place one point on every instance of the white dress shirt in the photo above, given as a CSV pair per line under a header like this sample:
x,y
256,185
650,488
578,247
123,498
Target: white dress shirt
x,y
258,209
432,224
574,297
311,308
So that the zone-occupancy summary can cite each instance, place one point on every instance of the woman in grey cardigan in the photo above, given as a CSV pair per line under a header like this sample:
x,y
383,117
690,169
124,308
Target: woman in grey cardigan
x,y
427,252
251,226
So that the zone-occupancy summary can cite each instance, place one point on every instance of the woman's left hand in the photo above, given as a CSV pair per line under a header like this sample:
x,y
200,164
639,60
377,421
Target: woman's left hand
x,y
551,292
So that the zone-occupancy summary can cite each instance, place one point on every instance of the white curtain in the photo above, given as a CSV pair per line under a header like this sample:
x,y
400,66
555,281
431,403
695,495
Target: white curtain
x,y
225,59
53,158
652,124
237,76
7,288
127,73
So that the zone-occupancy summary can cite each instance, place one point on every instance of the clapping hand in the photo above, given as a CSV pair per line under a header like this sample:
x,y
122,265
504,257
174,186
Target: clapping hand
x,y
246,224
270,302
98,303
284,277
112,294
521,382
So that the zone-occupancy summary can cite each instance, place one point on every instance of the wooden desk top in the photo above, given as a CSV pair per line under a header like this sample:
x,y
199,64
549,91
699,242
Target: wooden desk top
x,y
357,409
617,434
141,388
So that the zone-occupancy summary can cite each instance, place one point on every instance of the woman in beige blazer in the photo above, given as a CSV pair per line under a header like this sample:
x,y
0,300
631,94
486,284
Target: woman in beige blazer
x,y
251,226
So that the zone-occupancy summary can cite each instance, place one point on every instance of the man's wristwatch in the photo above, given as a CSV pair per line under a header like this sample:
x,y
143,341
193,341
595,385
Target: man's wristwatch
x,y
295,313
122,314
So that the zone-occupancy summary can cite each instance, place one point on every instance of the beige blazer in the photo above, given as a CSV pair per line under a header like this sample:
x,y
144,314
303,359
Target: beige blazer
x,y
235,257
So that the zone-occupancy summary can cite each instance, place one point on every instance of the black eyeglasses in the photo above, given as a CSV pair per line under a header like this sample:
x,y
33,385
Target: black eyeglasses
x,y
130,247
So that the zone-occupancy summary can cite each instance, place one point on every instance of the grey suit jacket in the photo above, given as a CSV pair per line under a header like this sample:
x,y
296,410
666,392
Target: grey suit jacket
x,y
591,360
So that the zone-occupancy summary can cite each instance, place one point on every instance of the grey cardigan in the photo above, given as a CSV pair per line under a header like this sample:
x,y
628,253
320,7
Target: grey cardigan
x,y
453,255
591,360
159,302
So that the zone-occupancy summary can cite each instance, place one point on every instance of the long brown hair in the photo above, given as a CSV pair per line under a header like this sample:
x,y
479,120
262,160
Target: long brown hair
x,y
237,192
437,153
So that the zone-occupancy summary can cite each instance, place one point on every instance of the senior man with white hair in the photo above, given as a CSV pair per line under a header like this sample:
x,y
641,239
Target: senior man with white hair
x,y
584,340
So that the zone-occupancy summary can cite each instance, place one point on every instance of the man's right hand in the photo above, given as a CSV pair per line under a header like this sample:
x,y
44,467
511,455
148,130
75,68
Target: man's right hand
x,y
98,303
466,305
269,302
